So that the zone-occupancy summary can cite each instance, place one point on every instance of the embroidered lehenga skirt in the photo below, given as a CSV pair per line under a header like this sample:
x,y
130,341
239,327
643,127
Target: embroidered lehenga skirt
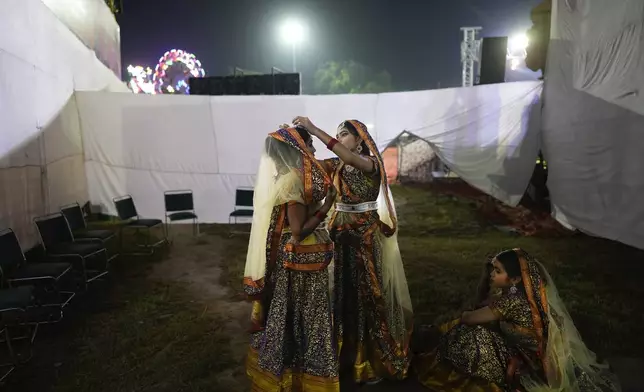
x,y
295,350
367,350
468,358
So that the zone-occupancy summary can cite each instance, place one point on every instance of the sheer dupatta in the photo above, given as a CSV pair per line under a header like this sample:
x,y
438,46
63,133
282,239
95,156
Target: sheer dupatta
x,y
568,365
285,174
395,290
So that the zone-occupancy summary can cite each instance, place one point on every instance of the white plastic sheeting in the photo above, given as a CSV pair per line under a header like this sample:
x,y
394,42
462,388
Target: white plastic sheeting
x,y
95,26
143,145
41,158
488,135
593,147
608,51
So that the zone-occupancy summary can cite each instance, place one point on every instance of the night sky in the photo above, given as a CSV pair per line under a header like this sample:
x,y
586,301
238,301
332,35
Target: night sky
x,y
416,41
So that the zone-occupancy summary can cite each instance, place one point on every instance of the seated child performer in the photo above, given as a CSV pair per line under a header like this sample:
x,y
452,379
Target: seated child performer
x,y
521,338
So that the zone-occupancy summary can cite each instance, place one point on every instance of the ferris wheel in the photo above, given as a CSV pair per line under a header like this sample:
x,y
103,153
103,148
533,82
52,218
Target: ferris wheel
x,y
174,69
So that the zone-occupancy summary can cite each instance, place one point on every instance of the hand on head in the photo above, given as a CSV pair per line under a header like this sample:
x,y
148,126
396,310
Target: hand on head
x,y
303,122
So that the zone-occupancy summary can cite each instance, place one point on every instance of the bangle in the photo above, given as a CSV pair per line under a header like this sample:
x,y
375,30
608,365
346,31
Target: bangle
x,y
332,143
320,215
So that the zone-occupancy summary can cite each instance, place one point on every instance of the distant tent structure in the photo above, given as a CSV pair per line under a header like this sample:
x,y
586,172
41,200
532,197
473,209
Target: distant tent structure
x,y
409,158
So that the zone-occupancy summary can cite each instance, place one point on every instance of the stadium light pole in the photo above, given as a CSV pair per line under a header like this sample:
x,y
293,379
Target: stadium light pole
x,y
293,33
517,50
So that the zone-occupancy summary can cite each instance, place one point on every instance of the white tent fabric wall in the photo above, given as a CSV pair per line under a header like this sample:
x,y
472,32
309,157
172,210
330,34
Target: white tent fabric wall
x,y
22,190
215,144
144,145
609,50
488,135
593,147
65,179
95,26
241,125
328,111
41,64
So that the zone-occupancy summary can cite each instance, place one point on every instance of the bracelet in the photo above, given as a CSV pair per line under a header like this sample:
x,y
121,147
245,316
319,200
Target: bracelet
x,y
320,215
332,143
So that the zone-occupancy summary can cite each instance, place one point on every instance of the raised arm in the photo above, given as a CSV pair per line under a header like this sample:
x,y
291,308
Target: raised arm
x,y
349,157
320,161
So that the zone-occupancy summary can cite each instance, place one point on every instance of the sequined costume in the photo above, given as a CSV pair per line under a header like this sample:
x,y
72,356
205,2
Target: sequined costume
x,y
292,346
372,309
480,352
533,347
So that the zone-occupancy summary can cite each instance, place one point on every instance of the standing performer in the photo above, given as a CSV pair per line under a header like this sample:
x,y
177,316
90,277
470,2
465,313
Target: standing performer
x,y
372,308
286,276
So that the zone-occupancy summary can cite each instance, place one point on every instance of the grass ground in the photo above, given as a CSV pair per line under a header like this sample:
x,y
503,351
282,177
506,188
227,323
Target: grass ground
x,y
444,244
145,329
172,326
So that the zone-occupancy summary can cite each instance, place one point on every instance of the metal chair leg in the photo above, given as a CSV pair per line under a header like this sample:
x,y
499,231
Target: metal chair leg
x,y
166,229
121,239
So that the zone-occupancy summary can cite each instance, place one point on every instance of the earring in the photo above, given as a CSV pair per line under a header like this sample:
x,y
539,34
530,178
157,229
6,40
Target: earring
x,y
359,149
513,289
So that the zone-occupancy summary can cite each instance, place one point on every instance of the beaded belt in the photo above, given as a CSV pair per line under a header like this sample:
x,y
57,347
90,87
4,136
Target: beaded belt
x,y
357,208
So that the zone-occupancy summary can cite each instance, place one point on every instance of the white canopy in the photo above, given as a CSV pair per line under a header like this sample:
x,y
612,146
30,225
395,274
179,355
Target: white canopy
x,y
58,146
594,145
144,145
41,154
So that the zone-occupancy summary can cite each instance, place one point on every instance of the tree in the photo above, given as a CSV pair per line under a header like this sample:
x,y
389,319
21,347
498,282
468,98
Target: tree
x,y
350,77
116,6
539,36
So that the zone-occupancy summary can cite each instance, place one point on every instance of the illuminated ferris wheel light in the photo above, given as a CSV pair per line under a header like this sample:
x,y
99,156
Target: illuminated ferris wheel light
x,y
140,79
170,75
173,70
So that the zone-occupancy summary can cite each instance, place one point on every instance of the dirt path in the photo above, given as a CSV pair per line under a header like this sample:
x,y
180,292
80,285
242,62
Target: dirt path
x,y
196,262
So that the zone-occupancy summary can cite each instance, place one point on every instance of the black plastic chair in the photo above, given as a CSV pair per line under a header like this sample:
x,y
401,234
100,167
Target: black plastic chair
x,y
58,242
80,232
126,211
243,205
46,277
14,303
179,205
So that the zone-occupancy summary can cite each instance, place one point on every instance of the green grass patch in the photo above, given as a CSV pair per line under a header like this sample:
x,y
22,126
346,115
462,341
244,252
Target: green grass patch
x,y
156,335
157,340
444,245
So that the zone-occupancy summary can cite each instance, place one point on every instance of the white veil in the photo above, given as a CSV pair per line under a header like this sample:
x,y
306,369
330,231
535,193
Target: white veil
x,y
569,365
283,166
395,290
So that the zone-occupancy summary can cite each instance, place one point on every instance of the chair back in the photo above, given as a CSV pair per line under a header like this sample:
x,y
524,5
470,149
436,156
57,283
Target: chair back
x,y
125,207
11,255
244,198
74,215
53,229
176,201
